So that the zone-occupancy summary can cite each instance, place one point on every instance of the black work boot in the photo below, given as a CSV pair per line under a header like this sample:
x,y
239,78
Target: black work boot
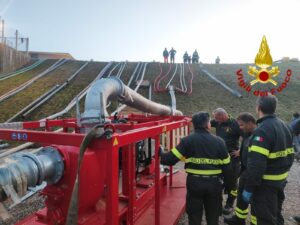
x,y
227,209
297,219
234,220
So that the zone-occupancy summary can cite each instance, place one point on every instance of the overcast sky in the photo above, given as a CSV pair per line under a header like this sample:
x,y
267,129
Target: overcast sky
x,y
139,30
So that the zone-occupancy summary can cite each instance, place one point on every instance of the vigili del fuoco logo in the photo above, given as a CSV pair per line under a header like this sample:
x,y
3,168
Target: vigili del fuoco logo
x,y
263,72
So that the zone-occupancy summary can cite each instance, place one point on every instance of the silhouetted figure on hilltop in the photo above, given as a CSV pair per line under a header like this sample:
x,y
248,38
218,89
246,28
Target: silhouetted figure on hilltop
x,y
166,55
195,57
185,57
172,55
218,60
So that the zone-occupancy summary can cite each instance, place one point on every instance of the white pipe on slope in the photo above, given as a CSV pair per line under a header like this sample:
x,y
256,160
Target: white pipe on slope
x,y
172,77
232,91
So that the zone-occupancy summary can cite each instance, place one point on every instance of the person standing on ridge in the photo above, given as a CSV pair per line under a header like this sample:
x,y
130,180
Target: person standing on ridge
x,y
166,55
185,57
172,55
206,163
195,57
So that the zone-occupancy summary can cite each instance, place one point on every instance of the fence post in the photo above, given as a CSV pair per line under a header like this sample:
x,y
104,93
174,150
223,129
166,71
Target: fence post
x,y
4,54
17,34
2,31
27,45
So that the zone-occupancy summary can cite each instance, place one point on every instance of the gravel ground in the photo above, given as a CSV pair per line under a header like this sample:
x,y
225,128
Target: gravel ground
x,y
24,209
291,204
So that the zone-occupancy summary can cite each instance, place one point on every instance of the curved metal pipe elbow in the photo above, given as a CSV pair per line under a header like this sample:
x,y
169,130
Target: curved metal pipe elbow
x,y
101,92
111,89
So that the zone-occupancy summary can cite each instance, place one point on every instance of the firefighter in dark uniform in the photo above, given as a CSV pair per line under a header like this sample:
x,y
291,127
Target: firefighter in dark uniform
x,y
185,57
165,55
270,157
247,124
228,129
195,57
206,163
172,55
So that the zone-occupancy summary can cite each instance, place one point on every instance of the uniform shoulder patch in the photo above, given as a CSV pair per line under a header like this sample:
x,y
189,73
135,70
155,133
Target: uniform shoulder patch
x,y
258,138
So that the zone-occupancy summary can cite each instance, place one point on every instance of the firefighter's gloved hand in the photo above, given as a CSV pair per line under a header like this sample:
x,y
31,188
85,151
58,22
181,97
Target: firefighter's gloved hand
x,y
247,196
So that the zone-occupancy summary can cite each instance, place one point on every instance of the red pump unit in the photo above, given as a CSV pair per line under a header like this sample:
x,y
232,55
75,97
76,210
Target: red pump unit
x,y
120,181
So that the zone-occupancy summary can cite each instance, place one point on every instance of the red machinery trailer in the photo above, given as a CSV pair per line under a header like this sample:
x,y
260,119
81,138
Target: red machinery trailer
x,y
120,181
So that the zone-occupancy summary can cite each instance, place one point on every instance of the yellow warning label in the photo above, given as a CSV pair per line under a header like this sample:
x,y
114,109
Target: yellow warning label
x,y
115,142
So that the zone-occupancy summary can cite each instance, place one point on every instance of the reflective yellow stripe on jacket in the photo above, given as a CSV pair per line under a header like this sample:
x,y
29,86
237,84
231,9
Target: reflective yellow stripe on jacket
x,y
208,161
234,193
203,172
272,155
276,177
258,149
253,220
178,154
201,161
283,153
240,213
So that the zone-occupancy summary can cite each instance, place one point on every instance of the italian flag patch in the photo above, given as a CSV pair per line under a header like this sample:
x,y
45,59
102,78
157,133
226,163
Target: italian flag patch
x,y
258,138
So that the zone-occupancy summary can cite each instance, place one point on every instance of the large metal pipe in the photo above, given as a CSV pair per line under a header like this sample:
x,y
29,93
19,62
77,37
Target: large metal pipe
x,y
135,100
109,89
113,89
20,171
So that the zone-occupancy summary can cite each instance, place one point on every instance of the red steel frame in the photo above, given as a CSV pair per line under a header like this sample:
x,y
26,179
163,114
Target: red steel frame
x,y
135,203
